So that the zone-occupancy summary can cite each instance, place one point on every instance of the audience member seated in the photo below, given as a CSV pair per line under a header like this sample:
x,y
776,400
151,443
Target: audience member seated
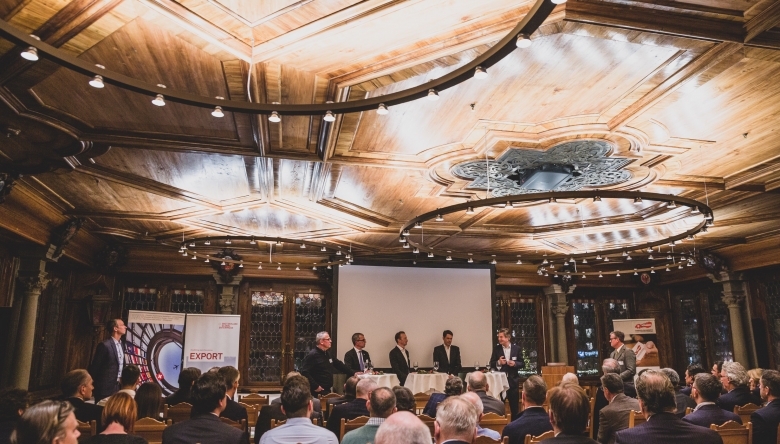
x,y
208,398
353,409
473,398
453,387
187,379
611,366
233,410
690,374
657,403
716,368
149,400
533,420
315,414
131,375
766,419
569,411
570,378
735,380
77,389
456,422
274,411
614,417
683,401
350,388
706,390
753,385
380,407
297,407
478,384
402,427
404,400
48,422
119,416
13,402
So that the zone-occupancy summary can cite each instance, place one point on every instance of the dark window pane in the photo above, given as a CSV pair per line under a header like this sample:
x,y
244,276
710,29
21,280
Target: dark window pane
x,y
265,337
584,313
524,333
719,319
309,320
142,299
187,301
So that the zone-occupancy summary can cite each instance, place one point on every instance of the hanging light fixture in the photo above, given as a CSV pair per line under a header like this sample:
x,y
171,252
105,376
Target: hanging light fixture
x,y
585,260
449,258
480,73
241,264
227,241
601,275
418,225
671,205
471,261
208,242
523,41
159,100
439,218
329,117
416,250
382,109
303,246
695,210
433,95
618,273
274,117
637,200
597,199
253,241
470,210
218,112
430,254
97,82
31,53
323,249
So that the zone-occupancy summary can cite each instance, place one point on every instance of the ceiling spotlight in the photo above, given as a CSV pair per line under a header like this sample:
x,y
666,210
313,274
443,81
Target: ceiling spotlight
x,y
329,267
159,100
433,95
597,199
241,265
227,241
416,250
382,109
218,112
439,218
314,268
637,200
650,257
208,242
601,275
652,270
181,249
185,253
279,244
545,262
585,260
649,249
338,252
449,258
279,268
297,268
667,268
192,244
625,253
635,273
628,258
418,225
523,41
606,259
680,267
303,246
194,257
509,205
552,200
402,239
253,241
406,245
97,82
430,254
618,273
695,210
598,257
519,262
323,249
583,275
274,117
552,266
260,267
207,259
405,232
572,261
690,237
471,261
223,263
480,73
470,210
546,274
493,261
558,2
329,117
555,275
671,205
30,54
669,257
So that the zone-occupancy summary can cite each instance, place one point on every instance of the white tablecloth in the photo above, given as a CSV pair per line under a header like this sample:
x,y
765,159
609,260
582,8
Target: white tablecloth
x,y
388,380
497,384
422,383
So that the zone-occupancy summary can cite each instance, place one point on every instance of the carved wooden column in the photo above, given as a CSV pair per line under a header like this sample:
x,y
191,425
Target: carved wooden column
x,y
559,307
32,280
734,297
228,297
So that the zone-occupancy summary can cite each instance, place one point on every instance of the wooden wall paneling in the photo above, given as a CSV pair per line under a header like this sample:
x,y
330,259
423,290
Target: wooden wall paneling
x,y
653,303
8,267
244,309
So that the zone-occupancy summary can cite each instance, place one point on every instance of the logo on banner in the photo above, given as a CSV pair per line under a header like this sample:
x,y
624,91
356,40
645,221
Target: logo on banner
x,y
644,327
206,356
227,325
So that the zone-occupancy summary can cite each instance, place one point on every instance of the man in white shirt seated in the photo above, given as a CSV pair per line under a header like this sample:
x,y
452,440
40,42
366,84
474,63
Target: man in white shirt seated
x,y
131,375
473,398
297,406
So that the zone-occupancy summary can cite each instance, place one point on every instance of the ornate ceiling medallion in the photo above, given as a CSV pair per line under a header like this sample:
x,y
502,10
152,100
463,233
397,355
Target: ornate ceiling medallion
x,y
569,166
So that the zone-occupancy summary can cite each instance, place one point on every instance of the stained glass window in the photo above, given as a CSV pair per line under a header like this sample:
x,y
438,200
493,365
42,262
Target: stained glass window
x,y
309,320
689,316
613,309
719,320
584,317
143,299
265,337
524,333
187,301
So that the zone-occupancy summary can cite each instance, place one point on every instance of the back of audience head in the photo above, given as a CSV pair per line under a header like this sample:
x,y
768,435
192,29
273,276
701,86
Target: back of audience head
x,y
569,409
48,422
570,378
610,366
382,402
613,383
149,400
77,383
477,381
707,387
456,418
365,387
475,401
231,376
453,386
187,377
208,394
130,375
350,387
296,397
770,385
655,392
692,371
122,410
404,399
674,378
735,375
403,427
534,390
13,402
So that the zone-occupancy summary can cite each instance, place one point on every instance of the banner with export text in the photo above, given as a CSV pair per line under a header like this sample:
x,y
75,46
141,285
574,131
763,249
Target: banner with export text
x,y
641,337
211,340
154,343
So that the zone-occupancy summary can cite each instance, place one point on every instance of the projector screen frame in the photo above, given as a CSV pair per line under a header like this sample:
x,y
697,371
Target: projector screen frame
x,y
335,298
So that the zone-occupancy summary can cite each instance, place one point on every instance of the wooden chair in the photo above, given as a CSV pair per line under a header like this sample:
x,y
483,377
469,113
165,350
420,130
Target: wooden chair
x,y
241,425
150,429
352,424
688,410
589,429
427,420
252,412
734,433
507,409
537,439
326,406
635,418
254,399
495,422
179,412
420,400
489,440
87,429
744,411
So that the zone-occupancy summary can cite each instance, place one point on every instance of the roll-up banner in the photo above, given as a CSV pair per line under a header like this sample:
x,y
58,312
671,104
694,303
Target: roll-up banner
x,y
211,341
640,337
154,343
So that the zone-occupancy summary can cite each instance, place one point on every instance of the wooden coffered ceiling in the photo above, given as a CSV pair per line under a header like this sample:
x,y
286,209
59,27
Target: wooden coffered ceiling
x,y
689,91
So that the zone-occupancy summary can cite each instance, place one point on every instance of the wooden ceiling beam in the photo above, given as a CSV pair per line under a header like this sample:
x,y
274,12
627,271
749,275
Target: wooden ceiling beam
x,y
763,21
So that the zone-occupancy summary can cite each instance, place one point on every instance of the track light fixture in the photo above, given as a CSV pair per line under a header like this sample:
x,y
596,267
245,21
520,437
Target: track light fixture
x,y
519,262
323,249
480,73
279,244
241,264
279,268
252,242
470,210
471,260
194,257
228,241
523,41
31,53
418,225
218,112
207,259
439,218
449,258
405,232
601,275
650,257
433,95
585,260
406,245
208,242
430,254
303,246
223,263
97,82
628,258
635,273
553,200
329,117
618,273
382,109
274,117
637,200
597,199
671,205
695,210
606,259
159,100
493,262
416,250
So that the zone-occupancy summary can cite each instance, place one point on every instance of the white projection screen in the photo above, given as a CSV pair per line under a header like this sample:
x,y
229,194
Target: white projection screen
x,y
378,301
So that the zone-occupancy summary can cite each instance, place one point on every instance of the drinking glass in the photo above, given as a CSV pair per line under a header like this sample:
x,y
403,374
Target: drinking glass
x,y
498,365
415,366
476,365
435,365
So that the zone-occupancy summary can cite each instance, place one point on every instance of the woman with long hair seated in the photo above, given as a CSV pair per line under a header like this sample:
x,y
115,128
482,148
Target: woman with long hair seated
x,y
149,400
49,422
119,418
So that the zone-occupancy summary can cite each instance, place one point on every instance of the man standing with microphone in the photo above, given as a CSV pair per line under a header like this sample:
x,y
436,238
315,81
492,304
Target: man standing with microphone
x,y
505,359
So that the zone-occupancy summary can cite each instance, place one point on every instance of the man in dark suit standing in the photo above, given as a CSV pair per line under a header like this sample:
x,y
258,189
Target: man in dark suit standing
x,y
624,356
106,367
614,416
318,366
534,420
233,410
77,388
447,355
356,358
399,357
353,409
569,410
208,396
735,380
656,399
766,419
705,391
507,356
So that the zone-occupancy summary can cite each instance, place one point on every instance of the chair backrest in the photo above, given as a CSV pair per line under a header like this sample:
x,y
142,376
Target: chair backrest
x,y
150,429
352,424
744,411
241,425
254,399
635,418
589,428
330,396
537,439
489,440
275,423
252,412
734,433
420,400
495,422
507,409
427,420
87,429
688,410
179,412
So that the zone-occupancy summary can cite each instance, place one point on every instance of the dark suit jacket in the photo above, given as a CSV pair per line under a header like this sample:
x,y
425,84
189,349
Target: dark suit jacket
x,y
433,403
86,412
451,367
570,439
627,361
711,414
263,424
105,369
234,412
663,428
532,421
206,429
511,372
765,422
179,396
351,360
400,363
491,404
6,427
738,396
348,410
614,417
683,402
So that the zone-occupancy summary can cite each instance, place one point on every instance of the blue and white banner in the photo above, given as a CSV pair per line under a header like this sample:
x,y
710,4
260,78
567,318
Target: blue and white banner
x,y
211,340
154,343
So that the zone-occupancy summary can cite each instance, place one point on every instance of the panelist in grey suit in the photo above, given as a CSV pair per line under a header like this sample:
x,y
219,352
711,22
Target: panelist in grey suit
x,y
623,355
